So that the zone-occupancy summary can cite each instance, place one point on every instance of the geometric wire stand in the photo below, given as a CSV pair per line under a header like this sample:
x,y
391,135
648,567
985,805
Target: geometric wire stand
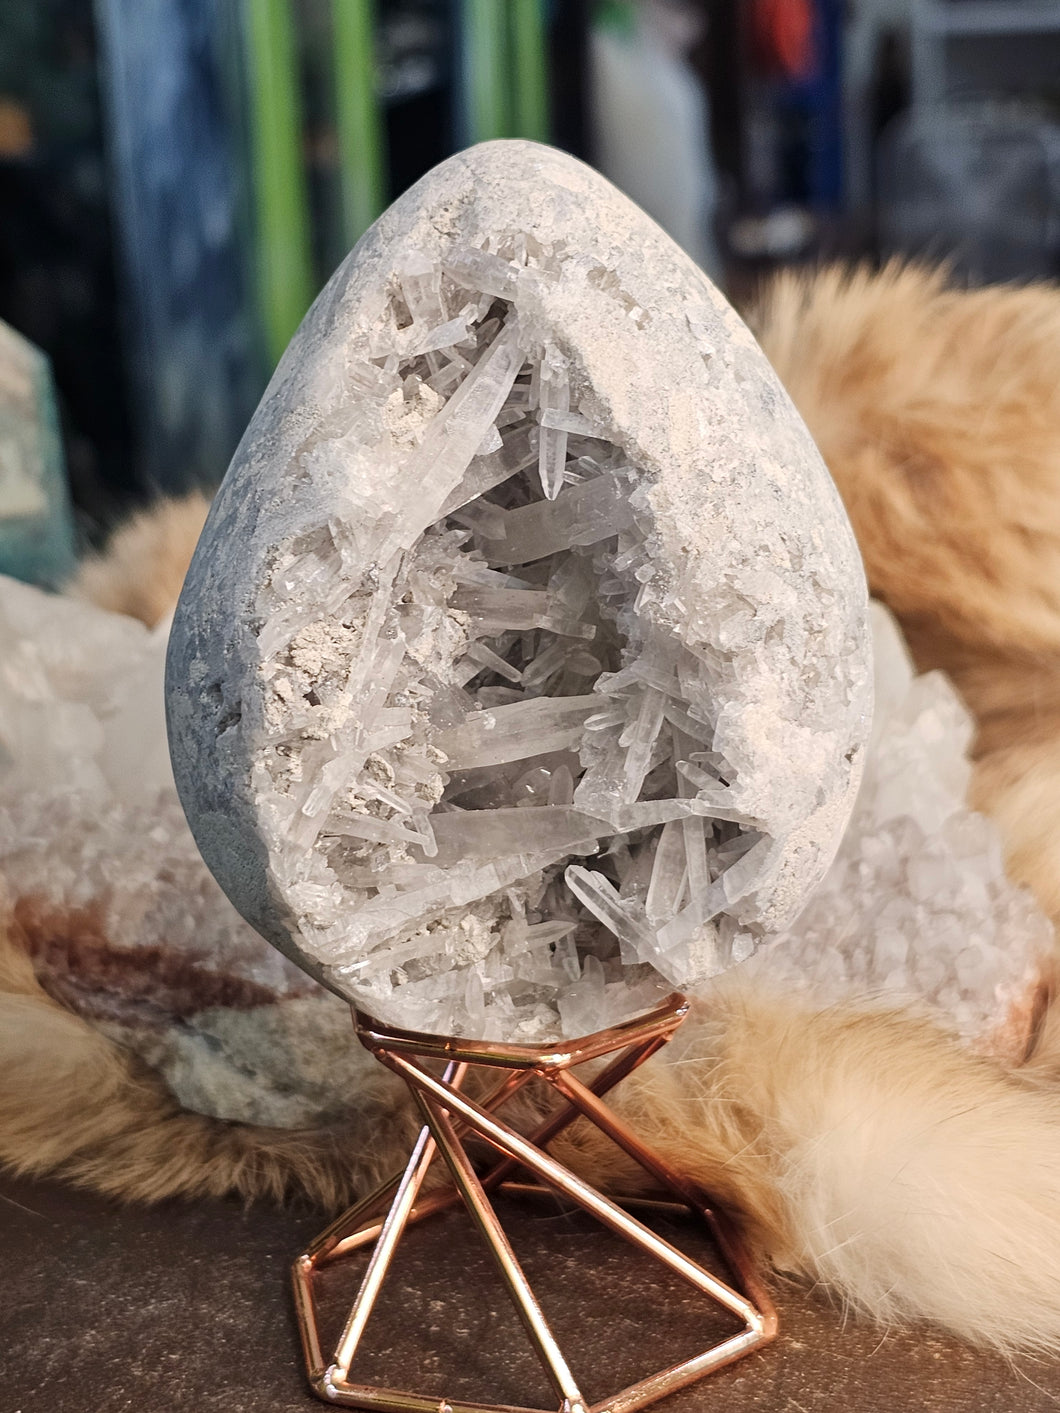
x,y
450,1115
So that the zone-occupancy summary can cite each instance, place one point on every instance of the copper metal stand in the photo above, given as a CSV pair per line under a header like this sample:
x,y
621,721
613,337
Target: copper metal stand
x,y
449,1116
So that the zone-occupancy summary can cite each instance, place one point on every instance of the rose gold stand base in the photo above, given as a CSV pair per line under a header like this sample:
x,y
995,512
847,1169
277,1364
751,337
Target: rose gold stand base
x,y
449,1116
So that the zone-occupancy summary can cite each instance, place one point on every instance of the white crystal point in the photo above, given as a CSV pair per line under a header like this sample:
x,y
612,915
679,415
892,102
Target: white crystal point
x,y
522,670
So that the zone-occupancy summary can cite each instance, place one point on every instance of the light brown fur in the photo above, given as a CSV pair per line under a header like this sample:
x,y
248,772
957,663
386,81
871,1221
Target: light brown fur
x,y
74,1104
862,1148
869,1152
145,561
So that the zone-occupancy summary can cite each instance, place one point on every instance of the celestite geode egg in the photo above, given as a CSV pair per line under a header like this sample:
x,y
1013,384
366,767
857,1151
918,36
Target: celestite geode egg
x,y
522,671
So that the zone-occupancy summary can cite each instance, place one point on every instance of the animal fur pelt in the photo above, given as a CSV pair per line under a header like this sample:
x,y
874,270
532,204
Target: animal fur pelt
x,y
865,1149
146,560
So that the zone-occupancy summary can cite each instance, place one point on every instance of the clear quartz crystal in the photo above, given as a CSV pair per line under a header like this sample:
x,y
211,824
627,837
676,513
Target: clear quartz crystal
x,y
453,438
560,421
554,396
517,451
586,513
617,915
669,874
480,270
487,833
639,739
730,887
516,732
483,656
495,611
421,286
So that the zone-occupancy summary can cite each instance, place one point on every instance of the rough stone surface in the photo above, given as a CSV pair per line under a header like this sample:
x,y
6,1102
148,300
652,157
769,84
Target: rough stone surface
x,y
522,492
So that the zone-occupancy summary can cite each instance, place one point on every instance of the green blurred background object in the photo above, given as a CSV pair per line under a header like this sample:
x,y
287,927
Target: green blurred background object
x,y
285,276
358,120
501,92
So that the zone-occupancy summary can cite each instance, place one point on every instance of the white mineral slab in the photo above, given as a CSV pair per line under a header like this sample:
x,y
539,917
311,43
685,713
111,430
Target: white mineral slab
x,y
524,523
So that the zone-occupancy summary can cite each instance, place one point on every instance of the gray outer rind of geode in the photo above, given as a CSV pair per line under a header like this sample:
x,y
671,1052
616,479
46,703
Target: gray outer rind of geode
x,y
745,515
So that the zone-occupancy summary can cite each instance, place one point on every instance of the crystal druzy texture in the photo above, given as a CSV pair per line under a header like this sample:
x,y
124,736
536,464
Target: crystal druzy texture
x,y
522,671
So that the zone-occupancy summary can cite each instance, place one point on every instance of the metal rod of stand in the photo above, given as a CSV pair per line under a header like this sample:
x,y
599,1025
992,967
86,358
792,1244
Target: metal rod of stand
x,y
609,1213
397,1217
586,1099
451,1119
347,1233
478,1204
626,1063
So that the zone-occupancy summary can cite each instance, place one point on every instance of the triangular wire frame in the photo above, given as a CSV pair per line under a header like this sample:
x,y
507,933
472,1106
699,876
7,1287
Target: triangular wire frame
x,y
449,1113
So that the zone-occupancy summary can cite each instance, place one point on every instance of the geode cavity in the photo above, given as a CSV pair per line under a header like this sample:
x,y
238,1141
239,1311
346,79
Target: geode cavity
x,y
521,672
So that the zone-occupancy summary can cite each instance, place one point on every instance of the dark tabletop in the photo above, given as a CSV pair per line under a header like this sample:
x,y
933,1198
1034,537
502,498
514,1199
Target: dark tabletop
x,y
186,1307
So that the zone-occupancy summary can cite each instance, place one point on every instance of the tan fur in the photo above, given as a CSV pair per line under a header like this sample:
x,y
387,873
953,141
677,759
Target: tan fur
x,y
863,1149
75,1105
871,1153
866,1151
143,566
937,412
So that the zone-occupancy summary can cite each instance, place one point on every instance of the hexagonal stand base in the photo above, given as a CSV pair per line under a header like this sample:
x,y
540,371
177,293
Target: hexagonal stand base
x,y
450,1116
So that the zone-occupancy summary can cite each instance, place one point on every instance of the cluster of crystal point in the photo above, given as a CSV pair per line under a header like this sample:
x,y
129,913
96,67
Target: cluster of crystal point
x,y
521,674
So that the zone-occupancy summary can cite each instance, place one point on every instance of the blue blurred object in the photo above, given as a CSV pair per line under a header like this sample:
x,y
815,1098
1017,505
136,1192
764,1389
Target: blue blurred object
x,y
809,113
36,522
195,364
249,145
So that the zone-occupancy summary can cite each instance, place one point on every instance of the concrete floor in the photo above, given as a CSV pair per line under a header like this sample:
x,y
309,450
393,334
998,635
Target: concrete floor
x,y
109,1310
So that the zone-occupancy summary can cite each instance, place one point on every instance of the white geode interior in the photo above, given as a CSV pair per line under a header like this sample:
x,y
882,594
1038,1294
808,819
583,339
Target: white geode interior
x,y
489,781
